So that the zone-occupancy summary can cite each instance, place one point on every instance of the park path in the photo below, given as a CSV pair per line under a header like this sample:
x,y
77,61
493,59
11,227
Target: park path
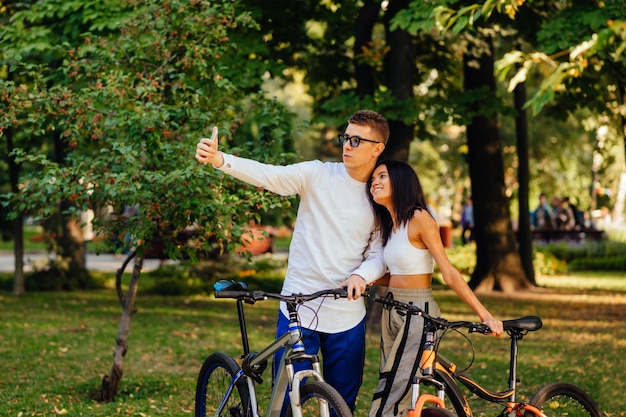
x,y
104,262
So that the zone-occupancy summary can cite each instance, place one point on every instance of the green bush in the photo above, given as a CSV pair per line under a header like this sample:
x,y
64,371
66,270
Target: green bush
x,y
556,258
546,263
606,255
176,280
605,263
463,257
263,273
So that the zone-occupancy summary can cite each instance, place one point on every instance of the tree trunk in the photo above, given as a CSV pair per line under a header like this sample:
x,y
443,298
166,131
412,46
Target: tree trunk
x,y
400,76
19,286
524,237
71,244
498,265
364,26
17,224
111,383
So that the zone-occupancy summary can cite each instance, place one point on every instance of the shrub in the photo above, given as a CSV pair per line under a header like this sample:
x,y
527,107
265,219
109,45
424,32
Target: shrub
x,y
593,256
263,273
605,263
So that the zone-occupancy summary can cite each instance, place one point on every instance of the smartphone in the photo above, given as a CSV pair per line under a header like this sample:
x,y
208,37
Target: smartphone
x,y
214,134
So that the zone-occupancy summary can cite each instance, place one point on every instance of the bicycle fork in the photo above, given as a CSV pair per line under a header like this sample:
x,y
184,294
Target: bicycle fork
x,y
427,365
290,381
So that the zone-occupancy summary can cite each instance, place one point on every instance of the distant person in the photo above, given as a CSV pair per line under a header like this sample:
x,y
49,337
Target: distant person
x,y
564,215
576,212
467,221
411,247
542,216
588,222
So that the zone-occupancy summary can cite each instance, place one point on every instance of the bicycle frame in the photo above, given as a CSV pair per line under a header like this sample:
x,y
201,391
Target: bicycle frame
x,y
519,408
431,362
516,329
286,380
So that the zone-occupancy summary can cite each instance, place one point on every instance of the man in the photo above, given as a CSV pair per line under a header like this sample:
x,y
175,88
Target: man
x,y
333,241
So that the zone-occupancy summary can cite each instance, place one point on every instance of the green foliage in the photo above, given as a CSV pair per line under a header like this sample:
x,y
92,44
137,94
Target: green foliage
x,y
176,280
546,263
575,62
607,263
135,104
262,272
558,257
579,52
53,276
450,15
463,257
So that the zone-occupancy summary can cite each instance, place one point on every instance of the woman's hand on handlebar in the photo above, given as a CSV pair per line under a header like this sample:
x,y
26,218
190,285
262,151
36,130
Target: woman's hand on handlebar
x,y
495,326
356,285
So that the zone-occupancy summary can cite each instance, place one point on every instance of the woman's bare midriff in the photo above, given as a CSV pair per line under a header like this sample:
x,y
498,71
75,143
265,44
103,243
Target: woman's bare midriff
x,y
419,281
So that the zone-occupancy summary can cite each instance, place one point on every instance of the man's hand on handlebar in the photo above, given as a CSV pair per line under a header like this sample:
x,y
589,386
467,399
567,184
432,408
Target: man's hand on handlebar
x,y
356,285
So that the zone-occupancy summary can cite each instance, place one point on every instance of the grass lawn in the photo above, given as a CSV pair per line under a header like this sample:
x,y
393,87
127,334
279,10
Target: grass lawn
x,y
56,347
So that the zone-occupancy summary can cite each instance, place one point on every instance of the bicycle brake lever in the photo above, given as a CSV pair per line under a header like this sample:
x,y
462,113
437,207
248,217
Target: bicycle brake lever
x,y
342,292
480,328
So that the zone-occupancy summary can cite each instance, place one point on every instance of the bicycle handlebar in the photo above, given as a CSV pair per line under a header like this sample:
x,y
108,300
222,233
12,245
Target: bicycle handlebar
x,y
240,291
439,322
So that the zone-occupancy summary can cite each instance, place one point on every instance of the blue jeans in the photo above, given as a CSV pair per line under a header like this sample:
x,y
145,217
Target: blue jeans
x,y
343,356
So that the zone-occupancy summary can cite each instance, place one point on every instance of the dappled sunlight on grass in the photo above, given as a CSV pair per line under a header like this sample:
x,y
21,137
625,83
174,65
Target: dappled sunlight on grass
x,y
57,346
602,281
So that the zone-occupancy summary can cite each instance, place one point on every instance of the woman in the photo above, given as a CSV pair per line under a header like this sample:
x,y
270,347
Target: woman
x,y
411,245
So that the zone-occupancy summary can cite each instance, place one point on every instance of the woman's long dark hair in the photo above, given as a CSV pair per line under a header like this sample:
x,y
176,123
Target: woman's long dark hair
x,y
406,195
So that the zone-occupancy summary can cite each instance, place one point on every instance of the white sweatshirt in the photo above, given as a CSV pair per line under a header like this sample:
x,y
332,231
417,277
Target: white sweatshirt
x,y
333,236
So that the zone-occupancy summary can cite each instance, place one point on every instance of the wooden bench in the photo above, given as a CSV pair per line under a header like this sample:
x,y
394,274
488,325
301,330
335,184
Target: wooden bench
x,y
568,235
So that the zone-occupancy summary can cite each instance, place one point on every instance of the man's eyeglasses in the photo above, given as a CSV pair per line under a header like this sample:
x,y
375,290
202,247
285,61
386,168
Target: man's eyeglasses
x,y
355,141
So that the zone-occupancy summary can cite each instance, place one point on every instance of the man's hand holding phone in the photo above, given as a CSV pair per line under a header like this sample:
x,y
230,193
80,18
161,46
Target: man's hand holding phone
x,y
207,150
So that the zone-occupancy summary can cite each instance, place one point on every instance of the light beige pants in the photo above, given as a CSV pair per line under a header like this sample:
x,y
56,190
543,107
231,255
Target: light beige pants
x,y
400,346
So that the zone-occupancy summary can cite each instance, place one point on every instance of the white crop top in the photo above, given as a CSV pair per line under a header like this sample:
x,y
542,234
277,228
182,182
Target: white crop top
x,y
402,258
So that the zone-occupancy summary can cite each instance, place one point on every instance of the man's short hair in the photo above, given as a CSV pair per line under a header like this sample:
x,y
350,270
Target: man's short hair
x,y
374,120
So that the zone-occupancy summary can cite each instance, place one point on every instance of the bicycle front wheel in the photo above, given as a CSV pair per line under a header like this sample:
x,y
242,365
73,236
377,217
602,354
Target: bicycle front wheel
x,y
318,398
216,389
563,399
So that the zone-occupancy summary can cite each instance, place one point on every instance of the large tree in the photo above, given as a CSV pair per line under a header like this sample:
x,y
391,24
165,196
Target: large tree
x,y
147,94
532,21
498,262
498,265
36,34
579,55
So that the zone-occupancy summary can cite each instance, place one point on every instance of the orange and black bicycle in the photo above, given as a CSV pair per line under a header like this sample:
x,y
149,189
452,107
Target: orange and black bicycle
x,y
551,400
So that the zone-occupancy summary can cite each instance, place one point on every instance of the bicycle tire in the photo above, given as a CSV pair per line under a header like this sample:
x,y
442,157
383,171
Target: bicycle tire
x,y
437,412
562,398
316,394
214,379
